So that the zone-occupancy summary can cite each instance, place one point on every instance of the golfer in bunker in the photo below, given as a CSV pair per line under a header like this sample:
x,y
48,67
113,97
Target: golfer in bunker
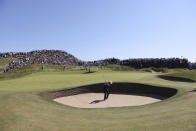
x,y
106,89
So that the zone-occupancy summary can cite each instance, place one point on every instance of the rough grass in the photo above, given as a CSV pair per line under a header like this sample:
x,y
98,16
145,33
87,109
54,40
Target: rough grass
x,y
22,107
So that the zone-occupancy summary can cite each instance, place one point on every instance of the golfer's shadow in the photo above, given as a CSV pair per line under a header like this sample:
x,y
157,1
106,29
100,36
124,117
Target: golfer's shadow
x,y
96,101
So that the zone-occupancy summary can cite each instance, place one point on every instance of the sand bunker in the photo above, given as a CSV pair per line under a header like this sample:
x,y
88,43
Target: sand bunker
x,y
95,100
121,95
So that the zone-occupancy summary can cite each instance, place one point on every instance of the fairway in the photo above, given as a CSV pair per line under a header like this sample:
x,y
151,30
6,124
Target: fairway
x,y
24,107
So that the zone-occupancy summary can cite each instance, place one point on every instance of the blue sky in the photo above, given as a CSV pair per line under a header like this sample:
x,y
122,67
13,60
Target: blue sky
x,y
97,29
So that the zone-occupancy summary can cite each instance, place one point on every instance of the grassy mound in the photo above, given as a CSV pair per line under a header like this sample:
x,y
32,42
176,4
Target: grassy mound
x,y
119,68
182,75
153,69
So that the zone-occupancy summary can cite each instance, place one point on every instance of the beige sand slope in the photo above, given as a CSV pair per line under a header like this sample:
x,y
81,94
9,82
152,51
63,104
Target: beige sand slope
x,y
95,100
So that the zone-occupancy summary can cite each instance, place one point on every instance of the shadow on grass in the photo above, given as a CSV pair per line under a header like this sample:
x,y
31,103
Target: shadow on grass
x,y
117,88
178,79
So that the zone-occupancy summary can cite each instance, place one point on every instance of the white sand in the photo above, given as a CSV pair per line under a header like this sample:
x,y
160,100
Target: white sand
x,y
95,100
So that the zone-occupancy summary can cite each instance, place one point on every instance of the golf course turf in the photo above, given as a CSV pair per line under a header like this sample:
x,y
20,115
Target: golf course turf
x,y
24,105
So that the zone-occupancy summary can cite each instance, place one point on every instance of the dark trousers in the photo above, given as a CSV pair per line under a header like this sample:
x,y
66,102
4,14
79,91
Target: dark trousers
x,y
106,94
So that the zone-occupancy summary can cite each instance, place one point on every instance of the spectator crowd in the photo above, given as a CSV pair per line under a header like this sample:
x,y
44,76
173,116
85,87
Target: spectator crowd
x,y
59,57
144,63
56,57
157,62
192,65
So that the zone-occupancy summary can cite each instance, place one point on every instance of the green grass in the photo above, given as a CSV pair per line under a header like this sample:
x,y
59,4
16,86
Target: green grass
x,y
183,73
153,69
119,68
5,62
32,68
22,107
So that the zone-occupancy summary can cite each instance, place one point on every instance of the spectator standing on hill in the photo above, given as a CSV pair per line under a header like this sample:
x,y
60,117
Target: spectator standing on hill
x,y
4,69
42,67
